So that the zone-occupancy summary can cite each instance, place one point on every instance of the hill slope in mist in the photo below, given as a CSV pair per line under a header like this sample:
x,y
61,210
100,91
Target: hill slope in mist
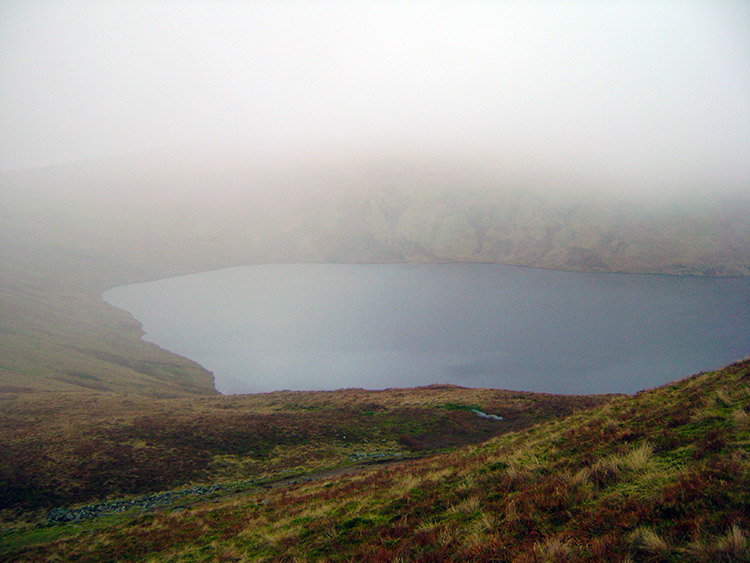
x,y
157,216
68,233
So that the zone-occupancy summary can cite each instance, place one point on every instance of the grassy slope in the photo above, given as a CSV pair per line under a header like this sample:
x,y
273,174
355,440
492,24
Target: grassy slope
x,y
88,447
65,339
58,252
61,338
660,476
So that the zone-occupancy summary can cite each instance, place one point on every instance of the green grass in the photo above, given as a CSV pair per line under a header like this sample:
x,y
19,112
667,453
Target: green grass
x,y
462,407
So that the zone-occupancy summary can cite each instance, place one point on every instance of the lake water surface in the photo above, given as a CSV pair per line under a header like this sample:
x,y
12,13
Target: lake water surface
x,y
328,326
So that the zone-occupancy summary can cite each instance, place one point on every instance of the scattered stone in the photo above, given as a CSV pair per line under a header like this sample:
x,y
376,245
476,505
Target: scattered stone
x,y
481,414
145,502
363,456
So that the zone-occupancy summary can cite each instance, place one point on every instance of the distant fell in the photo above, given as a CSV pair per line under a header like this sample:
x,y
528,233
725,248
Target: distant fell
x,y
70,232
145,217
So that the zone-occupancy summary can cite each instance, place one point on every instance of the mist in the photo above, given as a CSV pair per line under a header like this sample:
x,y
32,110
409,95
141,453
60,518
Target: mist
x,y
629,96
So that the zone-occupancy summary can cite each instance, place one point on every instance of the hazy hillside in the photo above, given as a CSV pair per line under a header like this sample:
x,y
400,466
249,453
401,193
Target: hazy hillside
x,y
158,217
661,476
68,233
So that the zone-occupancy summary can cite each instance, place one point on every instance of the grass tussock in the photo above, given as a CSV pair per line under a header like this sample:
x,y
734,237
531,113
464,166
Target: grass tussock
x,y
553,549
646,539
730,546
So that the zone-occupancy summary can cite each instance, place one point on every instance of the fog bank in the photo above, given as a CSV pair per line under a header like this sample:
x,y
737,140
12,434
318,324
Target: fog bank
x,y
631,95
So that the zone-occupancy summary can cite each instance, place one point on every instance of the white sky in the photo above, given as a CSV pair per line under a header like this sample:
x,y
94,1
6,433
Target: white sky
x,y
647,93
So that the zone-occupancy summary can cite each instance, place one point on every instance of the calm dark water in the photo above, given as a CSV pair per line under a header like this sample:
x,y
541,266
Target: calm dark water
x,y
328,326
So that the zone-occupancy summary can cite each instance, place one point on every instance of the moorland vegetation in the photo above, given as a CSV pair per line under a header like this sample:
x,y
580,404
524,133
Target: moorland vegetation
x,y
660,476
